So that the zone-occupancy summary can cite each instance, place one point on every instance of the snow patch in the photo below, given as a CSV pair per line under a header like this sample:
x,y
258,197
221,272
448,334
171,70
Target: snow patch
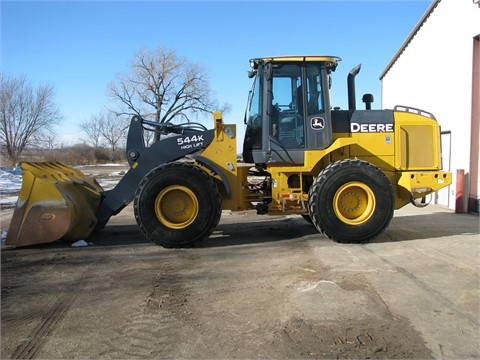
x,y
79,243
305,286
10,179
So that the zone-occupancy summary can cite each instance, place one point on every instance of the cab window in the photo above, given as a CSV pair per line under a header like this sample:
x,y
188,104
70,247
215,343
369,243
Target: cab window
x,y
314,90
287,106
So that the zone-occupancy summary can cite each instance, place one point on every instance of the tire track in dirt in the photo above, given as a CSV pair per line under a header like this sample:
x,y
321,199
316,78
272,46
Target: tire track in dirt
x,y
29,348
144,335
155,328
358,340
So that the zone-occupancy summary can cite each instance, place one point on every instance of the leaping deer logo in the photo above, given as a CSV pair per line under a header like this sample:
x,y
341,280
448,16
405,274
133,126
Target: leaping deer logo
x,y
318,123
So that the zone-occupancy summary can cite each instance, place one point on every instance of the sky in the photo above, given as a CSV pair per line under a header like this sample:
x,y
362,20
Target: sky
x,y
79,47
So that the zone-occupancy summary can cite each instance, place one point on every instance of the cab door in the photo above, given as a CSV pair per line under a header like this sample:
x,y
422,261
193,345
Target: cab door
x,y
298,119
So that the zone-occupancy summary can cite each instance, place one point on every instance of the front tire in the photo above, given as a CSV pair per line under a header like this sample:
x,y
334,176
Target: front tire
x,y
176,205
351,201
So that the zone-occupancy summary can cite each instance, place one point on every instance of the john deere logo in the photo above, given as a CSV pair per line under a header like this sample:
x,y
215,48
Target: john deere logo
x,y
47,216
318,123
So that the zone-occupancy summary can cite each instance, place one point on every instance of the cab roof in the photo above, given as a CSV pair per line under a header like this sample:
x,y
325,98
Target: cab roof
x,y
300,58
332,61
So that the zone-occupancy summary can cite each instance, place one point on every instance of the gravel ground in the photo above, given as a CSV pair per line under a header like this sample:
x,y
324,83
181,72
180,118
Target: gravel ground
x,y
259,287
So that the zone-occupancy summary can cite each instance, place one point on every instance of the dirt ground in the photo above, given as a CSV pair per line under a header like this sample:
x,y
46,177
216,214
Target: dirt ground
x,y
259,287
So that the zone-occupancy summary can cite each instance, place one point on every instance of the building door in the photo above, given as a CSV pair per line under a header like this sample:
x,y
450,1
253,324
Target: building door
x,y
473,196
443,195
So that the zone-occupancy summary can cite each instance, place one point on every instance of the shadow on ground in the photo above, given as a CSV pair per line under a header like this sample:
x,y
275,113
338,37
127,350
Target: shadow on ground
x,y
240,230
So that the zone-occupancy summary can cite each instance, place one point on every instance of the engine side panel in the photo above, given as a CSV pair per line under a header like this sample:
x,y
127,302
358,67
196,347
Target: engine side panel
x,y
417,142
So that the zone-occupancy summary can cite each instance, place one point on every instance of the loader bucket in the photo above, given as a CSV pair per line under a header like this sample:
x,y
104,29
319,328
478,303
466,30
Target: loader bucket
x,y
55,201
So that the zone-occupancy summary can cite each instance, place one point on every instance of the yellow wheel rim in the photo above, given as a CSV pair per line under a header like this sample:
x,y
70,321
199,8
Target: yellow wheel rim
x,y
354,203
176,207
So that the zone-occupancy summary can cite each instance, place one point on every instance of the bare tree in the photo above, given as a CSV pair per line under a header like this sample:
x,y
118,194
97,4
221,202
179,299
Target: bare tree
x,y
163,87
50,142
27,115
113,130
105,129
91,128
148,138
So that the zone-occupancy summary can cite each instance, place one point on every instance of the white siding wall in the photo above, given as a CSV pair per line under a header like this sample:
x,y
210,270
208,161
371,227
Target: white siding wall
x,y
434,73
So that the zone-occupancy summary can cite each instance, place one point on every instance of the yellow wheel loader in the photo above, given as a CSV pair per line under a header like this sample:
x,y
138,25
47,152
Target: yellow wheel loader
x,y
345,171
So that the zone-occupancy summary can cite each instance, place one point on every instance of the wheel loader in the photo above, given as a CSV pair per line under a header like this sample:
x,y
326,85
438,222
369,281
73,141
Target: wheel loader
x,y
344,171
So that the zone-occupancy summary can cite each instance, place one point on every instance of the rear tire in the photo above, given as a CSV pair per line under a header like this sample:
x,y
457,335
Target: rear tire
x,y
176,205
351,201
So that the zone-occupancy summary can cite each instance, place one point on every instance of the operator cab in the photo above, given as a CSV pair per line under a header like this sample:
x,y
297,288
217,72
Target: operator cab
x,y
288,108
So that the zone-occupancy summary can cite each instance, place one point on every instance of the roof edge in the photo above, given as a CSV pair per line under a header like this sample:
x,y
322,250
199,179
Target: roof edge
x,y
335,59
414,32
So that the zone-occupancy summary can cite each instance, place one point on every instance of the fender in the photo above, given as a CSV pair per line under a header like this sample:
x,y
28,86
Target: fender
x,y
215,168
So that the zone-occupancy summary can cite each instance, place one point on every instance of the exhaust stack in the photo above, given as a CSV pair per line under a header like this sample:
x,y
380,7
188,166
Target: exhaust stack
x,y
351,87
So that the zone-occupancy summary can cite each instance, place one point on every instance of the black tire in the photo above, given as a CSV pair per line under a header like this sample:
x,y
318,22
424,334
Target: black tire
x,y
351,201
308,218
176,205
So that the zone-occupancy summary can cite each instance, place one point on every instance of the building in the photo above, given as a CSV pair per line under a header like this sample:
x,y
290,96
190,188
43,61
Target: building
x,y
437,69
